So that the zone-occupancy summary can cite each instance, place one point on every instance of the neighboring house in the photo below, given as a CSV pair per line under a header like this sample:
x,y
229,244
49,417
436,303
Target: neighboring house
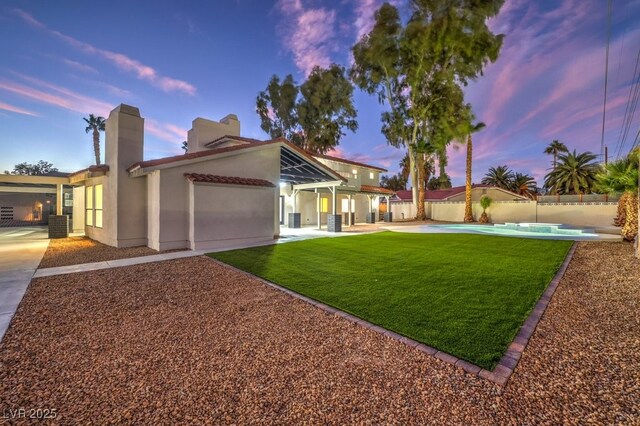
x,y
24,202
226,191
457,193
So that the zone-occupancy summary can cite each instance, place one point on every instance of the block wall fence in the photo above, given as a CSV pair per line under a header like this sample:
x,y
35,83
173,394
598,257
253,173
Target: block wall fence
x,y
575,214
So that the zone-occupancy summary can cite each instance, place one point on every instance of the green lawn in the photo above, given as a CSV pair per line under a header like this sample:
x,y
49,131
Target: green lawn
x,y
466,295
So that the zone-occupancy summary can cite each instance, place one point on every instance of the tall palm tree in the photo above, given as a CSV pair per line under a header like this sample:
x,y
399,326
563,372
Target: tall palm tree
x,y
525,185
95,125
554,148
185,146
574,174
622,176
499,176
468,212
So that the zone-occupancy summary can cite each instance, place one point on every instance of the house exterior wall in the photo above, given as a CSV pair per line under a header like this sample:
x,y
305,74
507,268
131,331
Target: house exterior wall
x,y
204,131
125,198
364,175
153,209
169,193
228,215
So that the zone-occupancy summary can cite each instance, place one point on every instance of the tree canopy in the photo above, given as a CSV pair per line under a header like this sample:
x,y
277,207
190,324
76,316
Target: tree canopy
x,y
41,168
395,182
574,174
314,115
418,69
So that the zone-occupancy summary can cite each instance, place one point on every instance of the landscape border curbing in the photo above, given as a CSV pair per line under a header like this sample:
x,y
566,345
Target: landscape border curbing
x,y
507,364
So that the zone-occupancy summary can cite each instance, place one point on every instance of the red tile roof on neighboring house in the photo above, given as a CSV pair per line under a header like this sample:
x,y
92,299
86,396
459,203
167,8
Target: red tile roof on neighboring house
x,y
438,194
376,190
342,160
227,180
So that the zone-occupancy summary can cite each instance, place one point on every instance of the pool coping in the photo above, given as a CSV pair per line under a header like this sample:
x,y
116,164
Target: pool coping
x,y
507,364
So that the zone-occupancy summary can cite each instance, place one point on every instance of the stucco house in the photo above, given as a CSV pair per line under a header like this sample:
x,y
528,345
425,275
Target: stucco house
x,y
226,191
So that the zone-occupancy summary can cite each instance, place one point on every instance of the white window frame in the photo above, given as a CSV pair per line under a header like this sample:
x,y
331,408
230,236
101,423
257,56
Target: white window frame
x,y
88,206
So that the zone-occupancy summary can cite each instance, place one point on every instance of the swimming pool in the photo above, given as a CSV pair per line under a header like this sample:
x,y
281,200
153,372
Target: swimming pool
x,y
524,230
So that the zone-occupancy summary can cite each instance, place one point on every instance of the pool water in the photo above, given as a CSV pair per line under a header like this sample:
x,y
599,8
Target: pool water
x,y
525,230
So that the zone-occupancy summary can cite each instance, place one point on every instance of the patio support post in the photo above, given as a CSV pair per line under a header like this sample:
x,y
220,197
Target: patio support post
x,y
319,208
59,223
388,216
59,198
334,220
371,216
350,219
334,200
294,217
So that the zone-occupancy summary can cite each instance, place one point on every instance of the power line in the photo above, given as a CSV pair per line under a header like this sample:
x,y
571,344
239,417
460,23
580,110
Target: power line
x,y
606,78
629,113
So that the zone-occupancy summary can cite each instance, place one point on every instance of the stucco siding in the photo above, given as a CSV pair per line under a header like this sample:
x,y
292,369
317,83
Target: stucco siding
x,y
221,216
172,204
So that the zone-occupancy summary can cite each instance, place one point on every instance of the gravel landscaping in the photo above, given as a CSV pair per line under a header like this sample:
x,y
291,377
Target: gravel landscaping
x,y
192,341
77,250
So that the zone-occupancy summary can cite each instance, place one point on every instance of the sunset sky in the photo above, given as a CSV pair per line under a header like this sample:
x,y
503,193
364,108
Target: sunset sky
x,y
179,60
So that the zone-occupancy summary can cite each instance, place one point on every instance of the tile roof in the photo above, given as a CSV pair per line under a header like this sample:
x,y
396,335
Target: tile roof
x,y
376,190
227,180
237,138
94,168
343,160
190,156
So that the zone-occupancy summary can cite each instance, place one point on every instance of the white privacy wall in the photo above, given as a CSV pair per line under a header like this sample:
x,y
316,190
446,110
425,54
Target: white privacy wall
x,y
575,214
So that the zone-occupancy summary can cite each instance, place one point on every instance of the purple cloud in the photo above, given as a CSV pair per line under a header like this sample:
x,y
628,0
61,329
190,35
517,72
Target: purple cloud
x,y
142,71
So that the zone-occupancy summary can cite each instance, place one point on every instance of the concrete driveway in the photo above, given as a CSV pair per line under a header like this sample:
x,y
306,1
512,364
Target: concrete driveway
x,y
21,250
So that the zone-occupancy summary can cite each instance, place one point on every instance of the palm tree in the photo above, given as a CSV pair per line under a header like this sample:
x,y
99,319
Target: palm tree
x,y
622,176
554,148
574,174
95,125
525,185
185,146
468,212
499,176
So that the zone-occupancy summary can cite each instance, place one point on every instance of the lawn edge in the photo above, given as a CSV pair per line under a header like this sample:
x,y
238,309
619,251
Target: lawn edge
x,y
502,371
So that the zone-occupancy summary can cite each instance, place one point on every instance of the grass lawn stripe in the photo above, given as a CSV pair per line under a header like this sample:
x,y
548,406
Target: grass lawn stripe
x,y
466,295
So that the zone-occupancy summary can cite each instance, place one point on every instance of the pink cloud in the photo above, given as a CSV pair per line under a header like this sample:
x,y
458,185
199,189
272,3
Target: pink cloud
x,y
310,36
535,45
79,66
365,11
165,131
17,110
142,71
562,122
57,96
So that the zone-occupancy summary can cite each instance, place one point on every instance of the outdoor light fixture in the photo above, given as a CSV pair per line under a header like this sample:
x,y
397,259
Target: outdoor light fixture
x,y
283,184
